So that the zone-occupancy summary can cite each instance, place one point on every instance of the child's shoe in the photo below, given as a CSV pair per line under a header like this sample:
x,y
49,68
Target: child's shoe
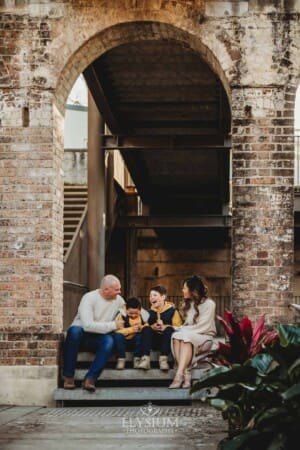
x,y
120,363
136,362
145,362
163,363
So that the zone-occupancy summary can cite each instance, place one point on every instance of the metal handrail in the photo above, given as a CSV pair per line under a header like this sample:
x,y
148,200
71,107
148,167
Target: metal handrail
x,y
76,233
76,285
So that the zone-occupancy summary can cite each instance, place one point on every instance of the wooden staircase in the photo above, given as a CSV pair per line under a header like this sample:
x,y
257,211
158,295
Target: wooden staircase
x,y
75,201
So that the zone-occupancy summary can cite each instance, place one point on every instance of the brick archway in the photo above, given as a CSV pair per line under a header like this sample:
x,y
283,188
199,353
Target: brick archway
x,y
110,38
124,33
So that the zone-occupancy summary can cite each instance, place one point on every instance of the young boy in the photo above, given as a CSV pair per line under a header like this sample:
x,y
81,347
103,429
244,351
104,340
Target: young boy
x,y
129,337
163,317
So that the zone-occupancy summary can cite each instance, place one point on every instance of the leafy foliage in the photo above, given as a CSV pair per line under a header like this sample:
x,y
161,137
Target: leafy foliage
x,y
260,397
244,340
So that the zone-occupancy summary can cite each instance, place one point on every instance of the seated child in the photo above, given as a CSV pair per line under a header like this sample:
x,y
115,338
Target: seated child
x,y
129,337
163,317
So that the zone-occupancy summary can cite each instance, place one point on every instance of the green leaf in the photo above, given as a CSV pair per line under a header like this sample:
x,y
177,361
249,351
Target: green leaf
x,y
239,441
288,334
217,403
292,392
262,362
231,392
294,369
237,374
270,416
285,355
279,442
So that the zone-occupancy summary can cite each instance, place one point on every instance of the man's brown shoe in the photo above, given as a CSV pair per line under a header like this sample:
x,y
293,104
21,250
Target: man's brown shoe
x,y
69,383
89,384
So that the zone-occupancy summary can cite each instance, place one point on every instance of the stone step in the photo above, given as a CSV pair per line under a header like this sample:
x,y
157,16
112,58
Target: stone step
x,y
88,356
137,374
129,394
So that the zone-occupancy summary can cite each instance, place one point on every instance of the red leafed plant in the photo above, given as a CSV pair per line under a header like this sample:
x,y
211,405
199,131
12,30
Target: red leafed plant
x,y
244,340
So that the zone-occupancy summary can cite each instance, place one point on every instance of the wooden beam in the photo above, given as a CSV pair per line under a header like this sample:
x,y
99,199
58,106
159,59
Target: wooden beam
x,y
96,197
165,131
100,99
138,172
131,263
176,149
209,221
169,141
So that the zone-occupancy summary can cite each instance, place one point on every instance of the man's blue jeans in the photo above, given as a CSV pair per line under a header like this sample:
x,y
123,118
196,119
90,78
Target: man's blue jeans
x,y
77,339
122,344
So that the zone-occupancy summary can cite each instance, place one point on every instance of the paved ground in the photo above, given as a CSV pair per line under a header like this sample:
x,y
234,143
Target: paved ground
x,y
122,428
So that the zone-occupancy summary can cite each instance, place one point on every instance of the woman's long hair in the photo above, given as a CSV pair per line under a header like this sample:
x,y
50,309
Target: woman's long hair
x,y
198,294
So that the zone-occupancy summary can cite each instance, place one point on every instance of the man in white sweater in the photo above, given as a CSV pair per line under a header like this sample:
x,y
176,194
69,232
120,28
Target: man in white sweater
x,y
91,331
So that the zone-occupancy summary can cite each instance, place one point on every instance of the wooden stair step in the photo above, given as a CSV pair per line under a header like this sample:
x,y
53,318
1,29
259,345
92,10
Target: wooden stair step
x,y
70,221
68,234
75,193
74,207
70,228
72,214
75,186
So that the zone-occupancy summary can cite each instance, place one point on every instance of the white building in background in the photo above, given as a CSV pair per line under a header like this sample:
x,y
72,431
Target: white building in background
x,y
76,127
76,134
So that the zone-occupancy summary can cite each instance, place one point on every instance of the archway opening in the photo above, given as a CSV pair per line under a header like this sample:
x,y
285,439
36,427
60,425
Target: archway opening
x,y
167,115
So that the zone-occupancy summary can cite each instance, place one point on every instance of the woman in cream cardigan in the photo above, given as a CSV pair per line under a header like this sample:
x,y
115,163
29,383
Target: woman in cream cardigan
x,y
193,340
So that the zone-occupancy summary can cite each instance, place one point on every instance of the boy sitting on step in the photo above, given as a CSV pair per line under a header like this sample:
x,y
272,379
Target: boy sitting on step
x,y
163,317
129,337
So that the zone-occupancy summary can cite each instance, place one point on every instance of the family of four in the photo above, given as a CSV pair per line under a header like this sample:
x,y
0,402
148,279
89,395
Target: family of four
x,y
105,323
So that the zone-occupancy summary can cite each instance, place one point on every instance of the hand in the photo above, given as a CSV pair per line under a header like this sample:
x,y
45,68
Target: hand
x,y
157,326
137,327
119,323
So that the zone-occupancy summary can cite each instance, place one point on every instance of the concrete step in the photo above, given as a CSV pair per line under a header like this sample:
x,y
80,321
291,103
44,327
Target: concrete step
x,y
88,356
137,374
129,394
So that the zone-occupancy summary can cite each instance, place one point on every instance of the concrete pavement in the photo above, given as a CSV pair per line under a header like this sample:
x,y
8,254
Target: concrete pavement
x,y
119,427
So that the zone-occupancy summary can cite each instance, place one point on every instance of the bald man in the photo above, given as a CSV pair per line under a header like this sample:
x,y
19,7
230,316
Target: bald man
x,y
91,331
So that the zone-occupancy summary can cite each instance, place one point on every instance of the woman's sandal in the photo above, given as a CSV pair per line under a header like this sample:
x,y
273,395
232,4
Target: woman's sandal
x,y
177,382
187,379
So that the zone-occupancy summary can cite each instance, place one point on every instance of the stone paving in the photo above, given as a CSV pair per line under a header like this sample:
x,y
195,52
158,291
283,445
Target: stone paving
x,y
134,427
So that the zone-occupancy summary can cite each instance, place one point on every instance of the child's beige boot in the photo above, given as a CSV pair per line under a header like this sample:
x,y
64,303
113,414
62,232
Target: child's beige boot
x,y
136,362
163,363
120,363
145,362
